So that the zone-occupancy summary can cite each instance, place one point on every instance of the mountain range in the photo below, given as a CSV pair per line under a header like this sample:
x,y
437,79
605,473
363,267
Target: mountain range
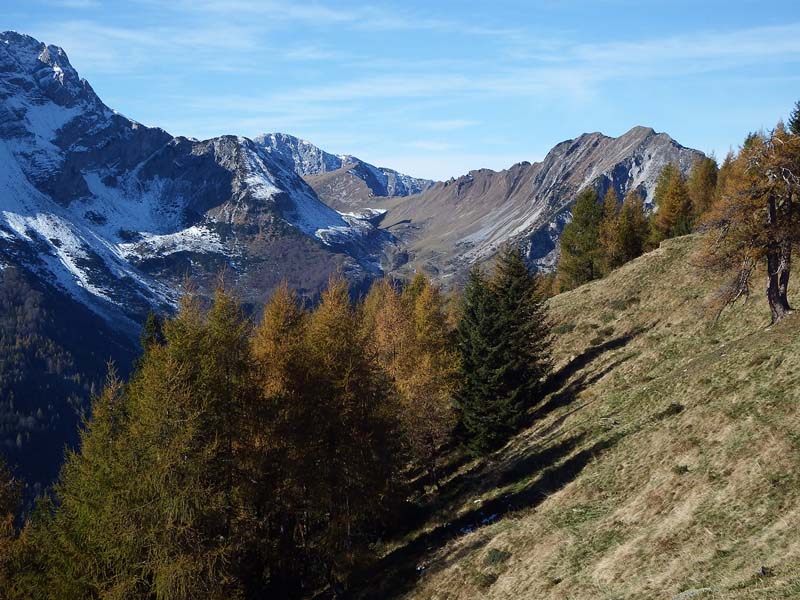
x,y
107,219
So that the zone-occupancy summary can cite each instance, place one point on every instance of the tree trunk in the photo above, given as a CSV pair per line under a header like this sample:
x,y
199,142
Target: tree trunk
x,y
783,278
779,255
778,268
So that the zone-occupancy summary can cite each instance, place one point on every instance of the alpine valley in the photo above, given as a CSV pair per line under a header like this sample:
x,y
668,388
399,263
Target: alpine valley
x,y
103,220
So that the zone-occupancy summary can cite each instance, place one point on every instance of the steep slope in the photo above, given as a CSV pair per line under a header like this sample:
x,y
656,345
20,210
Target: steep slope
x,y
103,219
342,181
117,214
464,220
663,461
54,354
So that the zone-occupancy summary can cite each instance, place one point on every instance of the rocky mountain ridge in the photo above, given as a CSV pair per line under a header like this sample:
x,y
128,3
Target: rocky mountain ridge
x,y
117,214
464,220
342,181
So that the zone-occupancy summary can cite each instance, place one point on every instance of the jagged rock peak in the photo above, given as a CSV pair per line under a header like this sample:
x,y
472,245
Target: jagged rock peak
x,y
46,66
301,155
310,161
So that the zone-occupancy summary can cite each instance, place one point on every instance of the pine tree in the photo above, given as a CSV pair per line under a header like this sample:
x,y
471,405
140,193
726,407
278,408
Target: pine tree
x,y
701,185
504,344
580,259
794,119
673,208
152,331
484,417
524,328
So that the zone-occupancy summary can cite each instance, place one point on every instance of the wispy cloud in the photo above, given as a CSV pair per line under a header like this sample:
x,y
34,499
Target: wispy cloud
x,y
314,53
315,66
73,4
431,145
447,125
356,16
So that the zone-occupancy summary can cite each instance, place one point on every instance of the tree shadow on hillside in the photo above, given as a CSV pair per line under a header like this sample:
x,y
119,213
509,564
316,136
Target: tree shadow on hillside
x,y
557,380
397,571
555,397
566,397
475,483
555,391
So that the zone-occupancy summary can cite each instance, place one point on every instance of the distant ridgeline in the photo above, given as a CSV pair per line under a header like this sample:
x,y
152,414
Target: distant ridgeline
x,y
101,212
281,436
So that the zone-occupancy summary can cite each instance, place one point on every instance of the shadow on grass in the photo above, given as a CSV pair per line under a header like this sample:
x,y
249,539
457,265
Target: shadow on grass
x,y
475,483
396,573
557,380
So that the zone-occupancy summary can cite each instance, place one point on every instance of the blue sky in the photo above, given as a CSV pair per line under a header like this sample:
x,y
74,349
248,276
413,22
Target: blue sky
x,y
433,88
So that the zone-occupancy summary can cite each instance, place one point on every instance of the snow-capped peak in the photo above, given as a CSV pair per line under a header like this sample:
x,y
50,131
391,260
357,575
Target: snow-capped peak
x,y
117,214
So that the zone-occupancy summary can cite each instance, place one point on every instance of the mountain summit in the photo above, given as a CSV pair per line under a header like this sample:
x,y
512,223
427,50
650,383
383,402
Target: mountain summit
x,y
460,221
117,214
342,181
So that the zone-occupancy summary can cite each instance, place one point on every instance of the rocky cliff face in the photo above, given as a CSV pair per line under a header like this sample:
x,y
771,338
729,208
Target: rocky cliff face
x,y
461,221
118,214
342,181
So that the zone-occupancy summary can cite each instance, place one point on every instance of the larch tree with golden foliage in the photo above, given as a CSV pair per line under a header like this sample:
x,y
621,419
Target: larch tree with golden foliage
x,y
155,505
355,433
283,433
756,219
673,207
701,185
408,332
608,232
581,255
633,228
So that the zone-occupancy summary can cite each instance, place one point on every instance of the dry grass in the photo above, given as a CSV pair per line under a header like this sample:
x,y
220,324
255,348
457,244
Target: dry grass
x,y
668,459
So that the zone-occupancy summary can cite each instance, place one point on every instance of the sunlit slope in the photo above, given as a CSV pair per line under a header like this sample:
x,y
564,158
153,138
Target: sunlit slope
x,y
667,459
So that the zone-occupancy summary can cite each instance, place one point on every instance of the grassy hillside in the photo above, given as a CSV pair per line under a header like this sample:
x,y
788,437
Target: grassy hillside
x,y
665,460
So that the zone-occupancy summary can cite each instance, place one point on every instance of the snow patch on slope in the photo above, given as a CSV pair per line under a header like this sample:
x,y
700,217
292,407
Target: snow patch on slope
x,y
196,239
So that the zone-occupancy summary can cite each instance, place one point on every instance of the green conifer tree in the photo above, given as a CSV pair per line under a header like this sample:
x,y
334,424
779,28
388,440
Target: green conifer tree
x,y
794,119
152,331
581,257
485,421
504,345
524,329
